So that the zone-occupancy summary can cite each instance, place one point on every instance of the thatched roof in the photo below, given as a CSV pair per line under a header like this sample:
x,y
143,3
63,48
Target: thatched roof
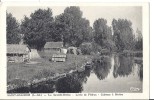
x,y
17,48
53,45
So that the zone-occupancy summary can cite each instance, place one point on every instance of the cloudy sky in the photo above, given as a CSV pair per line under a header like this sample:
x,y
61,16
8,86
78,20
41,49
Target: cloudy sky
x,y
132,13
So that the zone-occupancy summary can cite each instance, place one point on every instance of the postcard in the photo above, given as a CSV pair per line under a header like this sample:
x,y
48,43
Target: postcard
x,y
74,50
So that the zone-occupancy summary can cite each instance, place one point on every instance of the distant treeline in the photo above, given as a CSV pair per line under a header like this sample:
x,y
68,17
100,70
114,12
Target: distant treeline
x,y
74,30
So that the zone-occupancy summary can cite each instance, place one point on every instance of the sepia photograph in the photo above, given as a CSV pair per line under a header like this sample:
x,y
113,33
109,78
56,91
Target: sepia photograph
x,y
74,49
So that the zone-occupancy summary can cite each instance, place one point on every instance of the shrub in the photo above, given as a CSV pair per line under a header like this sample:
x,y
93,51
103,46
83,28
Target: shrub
x,y
90,48
86,48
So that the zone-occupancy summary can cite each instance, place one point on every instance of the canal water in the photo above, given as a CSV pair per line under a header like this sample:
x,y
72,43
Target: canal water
x,y
113,73
119,74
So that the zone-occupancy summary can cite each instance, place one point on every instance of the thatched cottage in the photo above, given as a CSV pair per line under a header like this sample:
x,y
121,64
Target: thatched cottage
x,y
18,53
55,50
54,47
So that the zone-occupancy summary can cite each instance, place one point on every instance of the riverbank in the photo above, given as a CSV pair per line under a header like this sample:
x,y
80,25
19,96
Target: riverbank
x,y
41,68
102,70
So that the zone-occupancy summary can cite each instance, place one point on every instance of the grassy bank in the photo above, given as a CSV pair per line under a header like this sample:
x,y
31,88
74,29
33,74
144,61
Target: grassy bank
x,y
42,68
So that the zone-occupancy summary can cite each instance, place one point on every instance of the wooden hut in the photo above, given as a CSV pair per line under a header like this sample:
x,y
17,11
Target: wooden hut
x,y
18,53
53,47
55,51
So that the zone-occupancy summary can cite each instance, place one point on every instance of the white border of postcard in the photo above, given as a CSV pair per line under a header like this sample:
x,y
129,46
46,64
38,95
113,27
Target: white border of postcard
x,y
145,31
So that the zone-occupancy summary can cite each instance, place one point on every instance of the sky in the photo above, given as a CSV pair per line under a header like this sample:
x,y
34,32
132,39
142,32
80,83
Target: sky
x,y
92,13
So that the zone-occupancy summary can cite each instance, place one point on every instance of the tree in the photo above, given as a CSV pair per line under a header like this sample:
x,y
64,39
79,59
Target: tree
x,y
123,34
103,34
38,28
139,41
12,29
72,27
86,48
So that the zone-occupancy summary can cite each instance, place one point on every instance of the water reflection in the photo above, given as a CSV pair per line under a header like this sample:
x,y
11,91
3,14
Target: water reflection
x,y
68,84
73,83
122,66
82,76
45,87
102,67
140,72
